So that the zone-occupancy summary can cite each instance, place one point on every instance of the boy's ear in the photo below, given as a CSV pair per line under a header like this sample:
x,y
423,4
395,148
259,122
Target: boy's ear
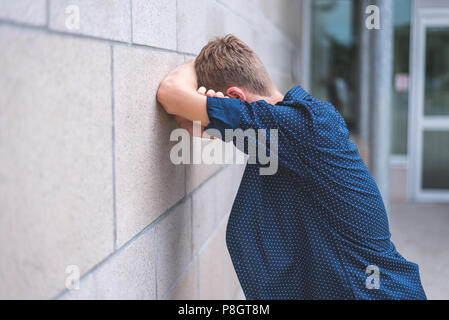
x,y
236,93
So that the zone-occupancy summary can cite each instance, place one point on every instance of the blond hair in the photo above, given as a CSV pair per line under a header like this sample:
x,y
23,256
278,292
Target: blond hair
x,y
226,62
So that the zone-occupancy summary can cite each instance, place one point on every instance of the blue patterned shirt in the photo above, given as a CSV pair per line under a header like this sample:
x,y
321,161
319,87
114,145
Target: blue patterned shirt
x,y
318,228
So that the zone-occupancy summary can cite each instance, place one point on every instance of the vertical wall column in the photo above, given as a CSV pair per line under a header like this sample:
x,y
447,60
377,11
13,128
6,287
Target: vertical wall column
x,y
380,75
363,66
305,44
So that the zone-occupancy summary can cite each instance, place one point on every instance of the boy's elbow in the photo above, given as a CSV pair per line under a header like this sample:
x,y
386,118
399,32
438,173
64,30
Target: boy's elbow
x,y
164,92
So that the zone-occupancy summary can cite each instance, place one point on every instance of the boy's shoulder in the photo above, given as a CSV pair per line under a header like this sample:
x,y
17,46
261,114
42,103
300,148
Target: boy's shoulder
x,y
297,94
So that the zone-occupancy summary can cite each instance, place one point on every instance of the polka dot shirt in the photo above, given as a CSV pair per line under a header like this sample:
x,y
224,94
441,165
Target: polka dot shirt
x,y
316,228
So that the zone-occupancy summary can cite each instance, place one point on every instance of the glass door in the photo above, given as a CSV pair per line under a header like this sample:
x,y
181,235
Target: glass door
x,y
429,116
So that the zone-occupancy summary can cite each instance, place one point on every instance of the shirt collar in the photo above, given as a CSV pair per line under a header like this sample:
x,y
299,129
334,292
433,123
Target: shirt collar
x,y
296,93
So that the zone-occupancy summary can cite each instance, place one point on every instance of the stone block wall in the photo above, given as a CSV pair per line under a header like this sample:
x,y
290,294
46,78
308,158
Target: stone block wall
x,y
86,182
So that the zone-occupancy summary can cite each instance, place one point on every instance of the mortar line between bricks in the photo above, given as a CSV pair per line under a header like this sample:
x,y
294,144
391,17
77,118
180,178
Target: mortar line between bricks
x,y
195,256
175,282
131,18
198,273
251,25
155,261
5,22
125,245
191,223
47,8
138,236
128,243
212,233
176,33
239,15
255,27
224,166
49,31
114,188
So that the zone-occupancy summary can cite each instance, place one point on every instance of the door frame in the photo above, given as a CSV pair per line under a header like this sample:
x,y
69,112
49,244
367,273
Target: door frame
x,y
422,19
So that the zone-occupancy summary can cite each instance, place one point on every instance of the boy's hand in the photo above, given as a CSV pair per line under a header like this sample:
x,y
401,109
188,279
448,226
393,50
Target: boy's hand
x,y
211,93
177,93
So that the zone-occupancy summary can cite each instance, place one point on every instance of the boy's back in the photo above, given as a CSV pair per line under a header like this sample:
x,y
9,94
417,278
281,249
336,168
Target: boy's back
x,y
317,229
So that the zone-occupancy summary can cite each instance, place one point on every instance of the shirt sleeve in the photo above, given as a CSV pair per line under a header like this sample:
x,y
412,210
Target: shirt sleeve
x,y
224,113
227,113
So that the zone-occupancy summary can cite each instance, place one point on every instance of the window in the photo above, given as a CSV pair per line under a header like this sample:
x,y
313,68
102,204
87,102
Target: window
x,y
333,56
399,129
334,69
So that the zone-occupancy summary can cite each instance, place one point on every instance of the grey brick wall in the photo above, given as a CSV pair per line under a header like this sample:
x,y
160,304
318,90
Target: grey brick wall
x,y
85,175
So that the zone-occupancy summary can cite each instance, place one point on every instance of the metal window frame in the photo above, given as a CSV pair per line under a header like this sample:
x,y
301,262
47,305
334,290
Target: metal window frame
x,y
423,18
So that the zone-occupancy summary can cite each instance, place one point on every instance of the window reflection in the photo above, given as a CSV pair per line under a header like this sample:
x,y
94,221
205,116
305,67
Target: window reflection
x,y
334,56
435,159
437,72
399,125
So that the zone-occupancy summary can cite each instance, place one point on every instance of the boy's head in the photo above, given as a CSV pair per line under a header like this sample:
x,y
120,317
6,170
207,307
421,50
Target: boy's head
x,y
228,65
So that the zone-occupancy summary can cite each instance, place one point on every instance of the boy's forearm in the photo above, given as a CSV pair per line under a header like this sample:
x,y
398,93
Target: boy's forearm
x,y
178,94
